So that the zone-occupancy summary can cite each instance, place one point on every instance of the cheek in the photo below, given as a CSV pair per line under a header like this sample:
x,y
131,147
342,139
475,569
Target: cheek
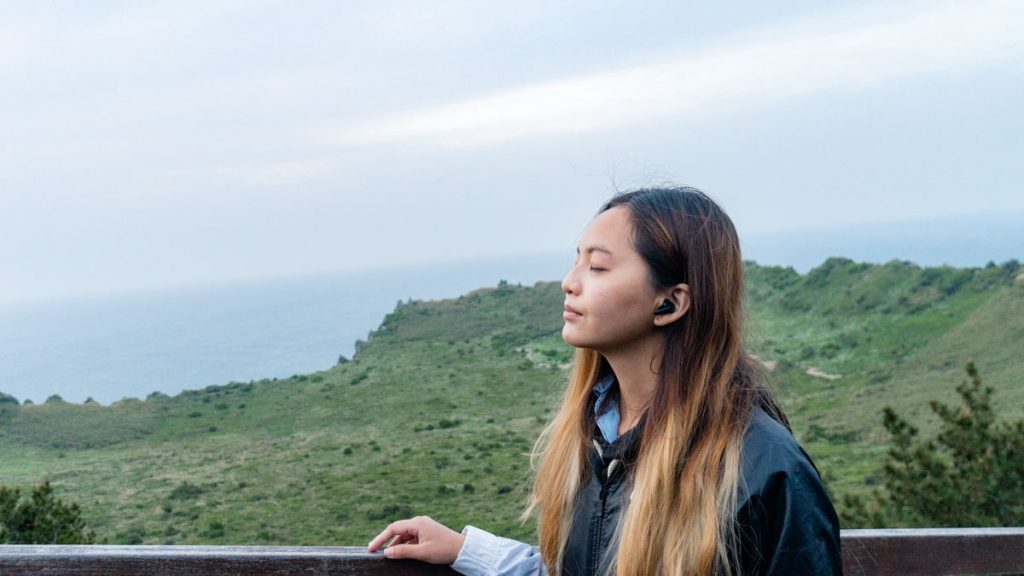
x,y
621,307
615,313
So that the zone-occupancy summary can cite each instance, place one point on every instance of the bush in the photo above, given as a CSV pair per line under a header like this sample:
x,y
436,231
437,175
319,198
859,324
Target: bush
x,y
215,530
970,474
40,519
390,512
185,491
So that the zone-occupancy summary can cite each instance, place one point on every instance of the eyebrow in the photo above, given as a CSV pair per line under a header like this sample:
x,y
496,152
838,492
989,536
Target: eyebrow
x,y
596,249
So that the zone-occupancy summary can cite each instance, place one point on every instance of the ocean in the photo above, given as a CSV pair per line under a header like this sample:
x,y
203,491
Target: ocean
x,y
130,345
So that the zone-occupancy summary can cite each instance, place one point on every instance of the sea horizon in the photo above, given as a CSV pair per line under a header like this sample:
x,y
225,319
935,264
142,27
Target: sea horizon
x,y
130,344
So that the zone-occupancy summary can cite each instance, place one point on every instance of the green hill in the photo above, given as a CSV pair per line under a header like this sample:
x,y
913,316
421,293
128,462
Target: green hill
x,y
438,411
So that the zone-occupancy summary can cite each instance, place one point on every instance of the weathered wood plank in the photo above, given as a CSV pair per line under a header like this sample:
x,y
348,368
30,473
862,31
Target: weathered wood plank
x,y
205,561
933,552
912,552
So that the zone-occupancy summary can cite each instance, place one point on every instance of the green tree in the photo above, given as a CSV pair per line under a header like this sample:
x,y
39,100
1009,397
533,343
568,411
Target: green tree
x,y
970,474
41,518
8,405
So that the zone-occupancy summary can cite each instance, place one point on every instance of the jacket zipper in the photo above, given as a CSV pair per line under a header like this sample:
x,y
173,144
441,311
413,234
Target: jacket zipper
x,y
595,541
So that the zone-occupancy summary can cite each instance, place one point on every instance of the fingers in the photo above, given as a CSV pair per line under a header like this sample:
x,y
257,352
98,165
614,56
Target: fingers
x,y
405,528
401,551
380,539
419,538
403,539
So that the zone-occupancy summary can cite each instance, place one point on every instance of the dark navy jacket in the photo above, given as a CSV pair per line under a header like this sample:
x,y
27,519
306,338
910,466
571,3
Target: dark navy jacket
x,y
786,522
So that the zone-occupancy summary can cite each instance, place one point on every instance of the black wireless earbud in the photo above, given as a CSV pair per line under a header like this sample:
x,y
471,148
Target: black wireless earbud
x,y
666,307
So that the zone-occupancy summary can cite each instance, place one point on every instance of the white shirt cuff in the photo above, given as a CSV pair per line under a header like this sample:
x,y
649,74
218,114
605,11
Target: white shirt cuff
x,y
484,554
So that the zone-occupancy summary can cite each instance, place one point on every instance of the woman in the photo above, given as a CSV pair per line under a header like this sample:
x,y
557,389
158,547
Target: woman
x,y
668,455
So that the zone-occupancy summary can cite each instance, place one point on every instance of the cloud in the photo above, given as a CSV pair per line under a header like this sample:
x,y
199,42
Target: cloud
x,y
852,51
277,173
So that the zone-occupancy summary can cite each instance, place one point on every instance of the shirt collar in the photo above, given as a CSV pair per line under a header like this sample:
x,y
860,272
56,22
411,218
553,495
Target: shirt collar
x,y
606,408
601,389
604,384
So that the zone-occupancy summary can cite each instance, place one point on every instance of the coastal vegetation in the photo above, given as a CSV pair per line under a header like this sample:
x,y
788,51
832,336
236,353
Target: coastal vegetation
x,y
40,518
438,410
971,473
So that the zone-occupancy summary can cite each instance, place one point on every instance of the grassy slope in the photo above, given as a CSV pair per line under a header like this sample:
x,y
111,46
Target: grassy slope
x,y
438,412
436,415
898,334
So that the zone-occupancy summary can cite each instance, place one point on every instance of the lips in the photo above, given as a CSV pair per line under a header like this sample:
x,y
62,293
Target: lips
x,y
571,313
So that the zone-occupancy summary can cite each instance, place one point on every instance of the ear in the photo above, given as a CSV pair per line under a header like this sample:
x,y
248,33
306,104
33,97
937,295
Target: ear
x,y
678,295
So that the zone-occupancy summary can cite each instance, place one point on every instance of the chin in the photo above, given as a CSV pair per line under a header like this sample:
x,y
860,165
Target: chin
x,y
568,336
573,339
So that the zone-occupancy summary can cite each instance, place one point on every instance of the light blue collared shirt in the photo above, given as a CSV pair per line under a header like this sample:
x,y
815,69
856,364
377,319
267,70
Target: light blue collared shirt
x,y
606,407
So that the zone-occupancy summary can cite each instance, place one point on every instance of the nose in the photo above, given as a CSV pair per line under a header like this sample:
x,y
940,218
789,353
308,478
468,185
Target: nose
x,y
570,285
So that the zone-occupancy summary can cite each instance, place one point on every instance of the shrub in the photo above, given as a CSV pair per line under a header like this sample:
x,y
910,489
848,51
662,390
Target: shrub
x,y
215,530
970,474
390,512
40,519
185,491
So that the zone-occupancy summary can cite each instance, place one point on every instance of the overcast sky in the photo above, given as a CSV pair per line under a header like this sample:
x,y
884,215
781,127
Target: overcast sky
x,y
155,144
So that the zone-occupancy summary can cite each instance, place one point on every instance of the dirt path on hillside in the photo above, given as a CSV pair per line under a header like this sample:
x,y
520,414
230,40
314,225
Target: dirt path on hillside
x,y
540,363
769,365
812,371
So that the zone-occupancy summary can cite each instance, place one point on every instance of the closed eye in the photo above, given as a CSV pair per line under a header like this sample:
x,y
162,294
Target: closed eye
x,y
595,269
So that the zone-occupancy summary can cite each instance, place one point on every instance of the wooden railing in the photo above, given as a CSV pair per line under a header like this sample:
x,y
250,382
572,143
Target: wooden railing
x,y
933,551
926,552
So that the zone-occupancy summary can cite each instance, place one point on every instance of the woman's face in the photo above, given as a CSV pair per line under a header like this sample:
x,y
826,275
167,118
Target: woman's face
x,y
609,301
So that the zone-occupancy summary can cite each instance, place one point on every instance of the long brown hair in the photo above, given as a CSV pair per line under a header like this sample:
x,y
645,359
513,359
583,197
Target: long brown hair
x,y
679,520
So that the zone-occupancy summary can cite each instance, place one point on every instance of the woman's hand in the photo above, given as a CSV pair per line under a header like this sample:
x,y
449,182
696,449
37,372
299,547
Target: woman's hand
x,y
420,538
